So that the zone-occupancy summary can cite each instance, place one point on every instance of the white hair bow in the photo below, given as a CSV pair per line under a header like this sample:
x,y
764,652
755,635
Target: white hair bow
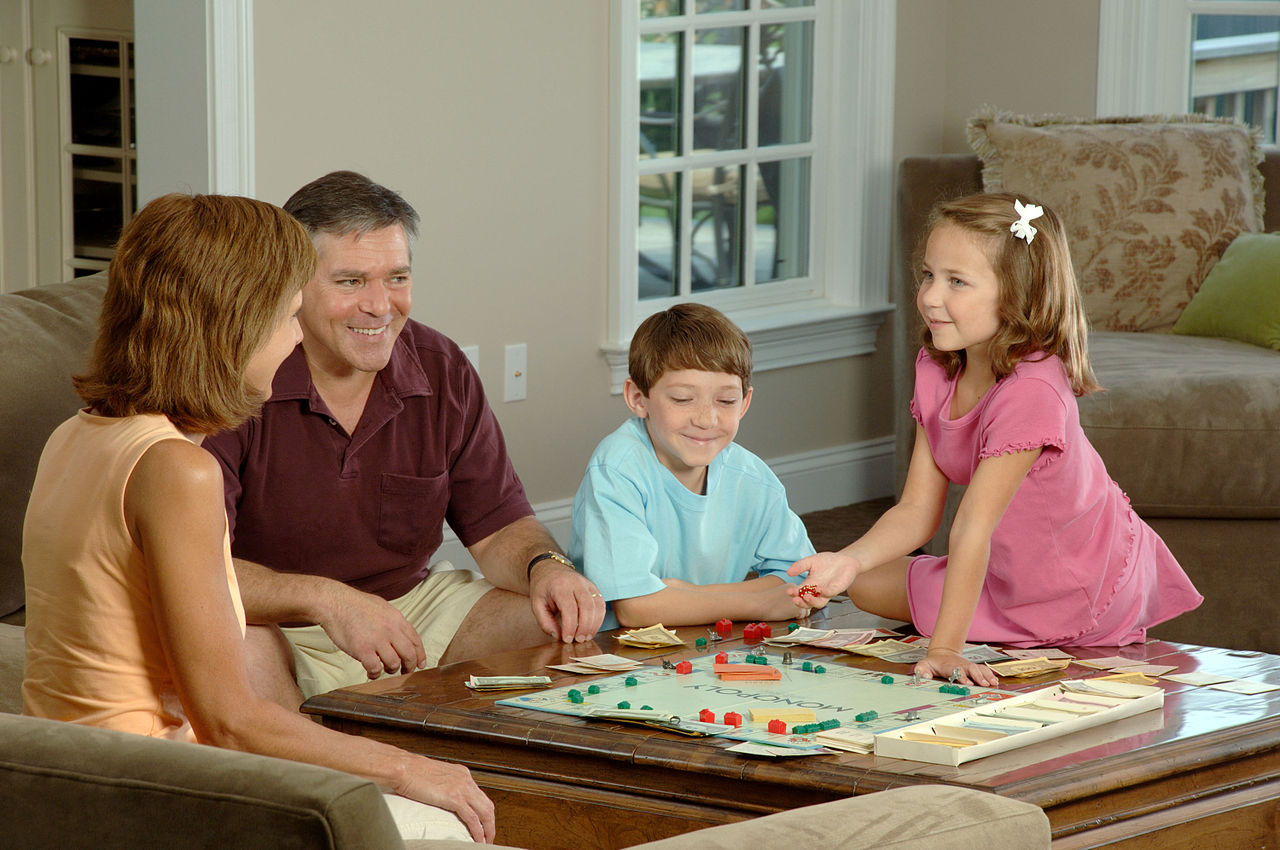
x,y
1026,214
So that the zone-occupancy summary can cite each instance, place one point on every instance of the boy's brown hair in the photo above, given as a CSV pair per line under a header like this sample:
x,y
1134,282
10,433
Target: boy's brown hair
x,y
688,336
196,285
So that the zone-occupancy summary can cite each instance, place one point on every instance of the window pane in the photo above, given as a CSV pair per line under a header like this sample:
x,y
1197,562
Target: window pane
x,y
660,8
657,235
1236,68
786,83
97,188
658,64
716,223
702,7
718,88
782,220
784,4
95,92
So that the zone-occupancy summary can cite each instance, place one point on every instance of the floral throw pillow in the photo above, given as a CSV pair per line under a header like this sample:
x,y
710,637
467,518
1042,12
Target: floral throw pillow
x,y
1149,203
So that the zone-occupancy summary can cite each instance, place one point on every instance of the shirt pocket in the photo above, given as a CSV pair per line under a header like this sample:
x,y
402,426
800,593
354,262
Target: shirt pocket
x,y
411,512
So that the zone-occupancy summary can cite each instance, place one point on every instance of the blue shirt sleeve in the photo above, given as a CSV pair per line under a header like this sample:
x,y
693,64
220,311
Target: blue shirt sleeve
x,y
610,539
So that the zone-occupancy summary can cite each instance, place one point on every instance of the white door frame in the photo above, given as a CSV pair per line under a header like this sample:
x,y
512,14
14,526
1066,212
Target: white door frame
x,y
194,96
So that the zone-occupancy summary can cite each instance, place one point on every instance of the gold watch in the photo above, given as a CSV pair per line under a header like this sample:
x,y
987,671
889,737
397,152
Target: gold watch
x,y
555,556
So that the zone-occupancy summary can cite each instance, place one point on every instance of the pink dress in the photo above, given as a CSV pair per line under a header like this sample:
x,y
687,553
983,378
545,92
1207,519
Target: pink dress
x,y
1071,564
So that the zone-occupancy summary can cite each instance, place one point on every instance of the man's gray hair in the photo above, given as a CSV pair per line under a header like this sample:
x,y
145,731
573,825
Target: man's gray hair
x,y
344,202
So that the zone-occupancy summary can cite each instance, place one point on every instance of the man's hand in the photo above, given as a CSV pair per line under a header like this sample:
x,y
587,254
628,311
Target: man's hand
x,y
372,631
566,604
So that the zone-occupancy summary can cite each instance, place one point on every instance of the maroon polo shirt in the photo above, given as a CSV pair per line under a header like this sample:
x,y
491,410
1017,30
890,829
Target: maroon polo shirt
x,y
368,509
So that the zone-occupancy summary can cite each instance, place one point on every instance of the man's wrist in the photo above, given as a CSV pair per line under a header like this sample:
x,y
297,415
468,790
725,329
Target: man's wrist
x,y
548,556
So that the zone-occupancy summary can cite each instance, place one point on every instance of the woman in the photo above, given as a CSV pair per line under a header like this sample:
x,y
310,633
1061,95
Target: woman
x,y
134,619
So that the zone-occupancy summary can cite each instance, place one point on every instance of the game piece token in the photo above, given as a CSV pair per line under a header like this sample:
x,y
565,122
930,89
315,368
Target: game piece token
x,y
700,643
711,634
778,727
593,689
818,668
575,696
956,673
722,658
732,718
766,630
792,627
724,628
667,665
707,716
886,680
786,656
646,708
751,633
865,716
807,667
624,704
684,667
629,682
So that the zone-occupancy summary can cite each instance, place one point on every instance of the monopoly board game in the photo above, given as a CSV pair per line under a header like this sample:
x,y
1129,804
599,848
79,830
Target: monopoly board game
x,y
863,700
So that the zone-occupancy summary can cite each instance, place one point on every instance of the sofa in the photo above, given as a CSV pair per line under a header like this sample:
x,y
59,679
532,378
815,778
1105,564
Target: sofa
x,y
64,785
1184,428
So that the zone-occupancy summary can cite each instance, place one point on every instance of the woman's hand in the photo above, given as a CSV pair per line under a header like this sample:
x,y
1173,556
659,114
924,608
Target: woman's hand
x,y
951,665
449,786
829,574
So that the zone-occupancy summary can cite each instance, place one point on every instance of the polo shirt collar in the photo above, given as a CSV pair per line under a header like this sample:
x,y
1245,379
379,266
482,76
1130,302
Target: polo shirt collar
x,y
403,376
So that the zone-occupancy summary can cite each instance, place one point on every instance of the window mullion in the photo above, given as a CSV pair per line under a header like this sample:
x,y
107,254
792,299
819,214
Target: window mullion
x,y
684,281
747,191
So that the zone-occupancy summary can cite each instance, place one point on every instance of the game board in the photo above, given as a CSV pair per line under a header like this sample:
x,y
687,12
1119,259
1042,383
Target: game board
x,y
841,693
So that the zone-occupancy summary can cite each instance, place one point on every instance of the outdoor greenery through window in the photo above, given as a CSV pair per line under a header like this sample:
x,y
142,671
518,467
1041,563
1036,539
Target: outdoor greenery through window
x,y
1235,65
725,145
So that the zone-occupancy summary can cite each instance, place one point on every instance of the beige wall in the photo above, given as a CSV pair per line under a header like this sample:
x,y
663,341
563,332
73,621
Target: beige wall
x,y
954,56
492,118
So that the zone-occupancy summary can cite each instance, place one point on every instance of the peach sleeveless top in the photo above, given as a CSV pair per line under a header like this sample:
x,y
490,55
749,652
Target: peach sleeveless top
x,y
94,654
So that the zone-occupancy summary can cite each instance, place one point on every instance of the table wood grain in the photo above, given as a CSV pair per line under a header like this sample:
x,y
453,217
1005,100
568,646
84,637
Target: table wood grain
x,y
1202,772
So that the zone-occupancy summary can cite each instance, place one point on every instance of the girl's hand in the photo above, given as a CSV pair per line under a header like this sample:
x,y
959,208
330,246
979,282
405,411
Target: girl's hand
x,y
829,574
944,663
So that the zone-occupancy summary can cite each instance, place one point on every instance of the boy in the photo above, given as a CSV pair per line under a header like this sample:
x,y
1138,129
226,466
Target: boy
x,y
672,514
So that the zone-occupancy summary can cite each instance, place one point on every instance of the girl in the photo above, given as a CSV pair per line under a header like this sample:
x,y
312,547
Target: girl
x,y
134,619
1044,549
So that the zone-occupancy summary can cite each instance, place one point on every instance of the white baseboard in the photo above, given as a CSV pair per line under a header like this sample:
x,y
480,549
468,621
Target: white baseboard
x,y
815,481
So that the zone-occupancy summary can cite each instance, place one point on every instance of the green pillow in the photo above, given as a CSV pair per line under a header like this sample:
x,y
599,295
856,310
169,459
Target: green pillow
x,y
1240,299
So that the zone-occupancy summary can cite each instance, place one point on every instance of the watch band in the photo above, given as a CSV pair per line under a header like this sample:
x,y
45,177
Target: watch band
x,y
554,556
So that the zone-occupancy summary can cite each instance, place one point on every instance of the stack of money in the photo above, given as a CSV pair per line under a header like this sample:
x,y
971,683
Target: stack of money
x,y
507,683
607,663
1025,668
651,637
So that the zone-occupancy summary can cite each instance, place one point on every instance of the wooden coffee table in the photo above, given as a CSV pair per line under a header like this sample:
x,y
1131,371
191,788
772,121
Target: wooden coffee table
x,y
1204,772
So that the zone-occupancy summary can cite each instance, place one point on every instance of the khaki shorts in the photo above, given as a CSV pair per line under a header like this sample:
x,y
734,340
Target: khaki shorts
x,y
436,608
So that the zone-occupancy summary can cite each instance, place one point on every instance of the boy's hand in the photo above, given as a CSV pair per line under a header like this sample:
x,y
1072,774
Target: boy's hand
x,y
829,574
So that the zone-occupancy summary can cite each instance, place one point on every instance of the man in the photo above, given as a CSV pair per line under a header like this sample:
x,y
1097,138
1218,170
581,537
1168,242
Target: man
x,y
376,432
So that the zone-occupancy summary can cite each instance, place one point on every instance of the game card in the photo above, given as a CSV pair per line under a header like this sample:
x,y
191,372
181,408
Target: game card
x,y
1244,686
1197,679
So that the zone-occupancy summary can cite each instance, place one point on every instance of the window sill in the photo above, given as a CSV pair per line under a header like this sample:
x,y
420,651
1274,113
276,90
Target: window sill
x,y
781,338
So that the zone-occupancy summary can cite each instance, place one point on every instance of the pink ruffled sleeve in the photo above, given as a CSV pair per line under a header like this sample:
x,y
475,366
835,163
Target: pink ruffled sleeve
x,y
1027,413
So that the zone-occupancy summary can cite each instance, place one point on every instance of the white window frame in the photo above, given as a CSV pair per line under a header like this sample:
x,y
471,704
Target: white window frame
x,y
1144,60
836,311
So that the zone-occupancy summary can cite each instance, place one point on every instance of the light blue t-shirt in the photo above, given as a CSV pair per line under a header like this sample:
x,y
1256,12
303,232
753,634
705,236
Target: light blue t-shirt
x,y
634,524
